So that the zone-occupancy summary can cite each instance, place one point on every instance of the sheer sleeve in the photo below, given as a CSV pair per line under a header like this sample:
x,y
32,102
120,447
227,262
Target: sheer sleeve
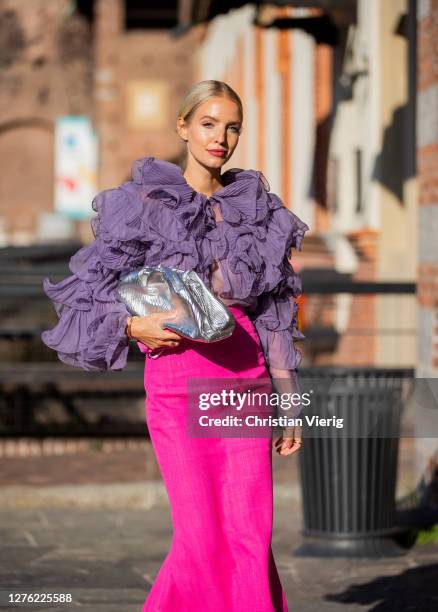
x,y
90,332
275,318
276,324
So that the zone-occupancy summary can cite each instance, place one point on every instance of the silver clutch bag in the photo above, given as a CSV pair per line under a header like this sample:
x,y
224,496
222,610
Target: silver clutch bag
x,y
201,316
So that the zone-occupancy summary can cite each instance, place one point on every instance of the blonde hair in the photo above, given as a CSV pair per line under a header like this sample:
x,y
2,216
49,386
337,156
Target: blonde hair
x,y
204,90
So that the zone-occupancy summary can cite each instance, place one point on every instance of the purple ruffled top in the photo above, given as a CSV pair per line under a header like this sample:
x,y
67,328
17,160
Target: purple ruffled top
x,y
157,218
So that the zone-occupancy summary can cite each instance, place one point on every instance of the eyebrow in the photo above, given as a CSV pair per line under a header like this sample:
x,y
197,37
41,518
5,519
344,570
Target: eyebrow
x,y
214,119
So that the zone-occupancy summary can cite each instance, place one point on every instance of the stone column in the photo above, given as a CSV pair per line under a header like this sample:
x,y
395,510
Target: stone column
x,y
109,20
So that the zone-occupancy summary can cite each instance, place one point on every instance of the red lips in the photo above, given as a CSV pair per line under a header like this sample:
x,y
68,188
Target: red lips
x,y
217,152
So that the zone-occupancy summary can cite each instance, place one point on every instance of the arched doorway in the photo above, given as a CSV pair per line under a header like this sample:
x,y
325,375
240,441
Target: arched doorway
x,y
26,177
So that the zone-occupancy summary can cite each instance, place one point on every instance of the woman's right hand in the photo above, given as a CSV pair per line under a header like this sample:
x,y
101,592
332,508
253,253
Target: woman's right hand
x,y
150,332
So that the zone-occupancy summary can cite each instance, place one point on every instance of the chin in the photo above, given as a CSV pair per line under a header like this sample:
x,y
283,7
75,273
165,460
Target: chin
x,y
215,163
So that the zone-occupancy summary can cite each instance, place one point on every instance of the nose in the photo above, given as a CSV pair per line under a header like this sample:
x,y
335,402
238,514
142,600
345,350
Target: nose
x,y
221,135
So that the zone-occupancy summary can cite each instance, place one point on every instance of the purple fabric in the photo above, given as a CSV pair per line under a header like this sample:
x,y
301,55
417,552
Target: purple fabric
x,y
157,218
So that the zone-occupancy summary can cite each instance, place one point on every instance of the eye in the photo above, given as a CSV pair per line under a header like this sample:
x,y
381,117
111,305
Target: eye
x,y
235,129
206,124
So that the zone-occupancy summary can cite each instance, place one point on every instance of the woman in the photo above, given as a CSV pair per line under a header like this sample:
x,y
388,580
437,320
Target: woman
x,y
238,237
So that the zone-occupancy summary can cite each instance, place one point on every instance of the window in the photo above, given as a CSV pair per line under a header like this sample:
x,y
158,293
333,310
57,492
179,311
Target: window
x,y
358,172
151,15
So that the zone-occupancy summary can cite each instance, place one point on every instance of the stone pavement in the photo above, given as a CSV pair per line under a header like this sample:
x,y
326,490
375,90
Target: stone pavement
x,y
107,559
77,530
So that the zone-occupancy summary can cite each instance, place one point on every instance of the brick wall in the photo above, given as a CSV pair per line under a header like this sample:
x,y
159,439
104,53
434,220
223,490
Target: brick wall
x,y
427,167
126,57
53,62
45,71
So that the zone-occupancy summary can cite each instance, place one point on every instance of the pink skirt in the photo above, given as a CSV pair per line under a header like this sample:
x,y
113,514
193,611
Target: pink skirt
x,y
220,489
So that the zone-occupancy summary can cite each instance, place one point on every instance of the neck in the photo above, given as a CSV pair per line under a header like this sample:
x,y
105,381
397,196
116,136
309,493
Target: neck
x,y
201,179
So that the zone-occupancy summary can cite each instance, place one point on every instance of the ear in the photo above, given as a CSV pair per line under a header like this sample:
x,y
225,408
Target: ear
x,y
181,128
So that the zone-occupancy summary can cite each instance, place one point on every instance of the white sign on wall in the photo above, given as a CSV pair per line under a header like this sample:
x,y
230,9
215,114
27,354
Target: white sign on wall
x,y
75,167
147,104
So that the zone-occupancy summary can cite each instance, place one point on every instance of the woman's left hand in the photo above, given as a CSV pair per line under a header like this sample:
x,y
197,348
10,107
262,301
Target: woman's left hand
x,y
289,442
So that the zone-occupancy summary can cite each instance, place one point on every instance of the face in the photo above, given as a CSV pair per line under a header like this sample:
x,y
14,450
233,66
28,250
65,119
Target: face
x,y
212,132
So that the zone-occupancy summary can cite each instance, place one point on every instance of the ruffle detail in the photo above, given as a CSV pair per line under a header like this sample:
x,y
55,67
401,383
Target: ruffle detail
x,y
276,322
256,233
257,253
157,218
151,225
280,349
90,332
92,340
90,282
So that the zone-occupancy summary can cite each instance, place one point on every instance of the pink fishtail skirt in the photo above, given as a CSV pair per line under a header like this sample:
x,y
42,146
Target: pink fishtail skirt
x,y
219,489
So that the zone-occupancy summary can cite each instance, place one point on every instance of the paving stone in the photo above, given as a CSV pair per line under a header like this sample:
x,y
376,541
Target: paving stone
x,y
108,560
107,553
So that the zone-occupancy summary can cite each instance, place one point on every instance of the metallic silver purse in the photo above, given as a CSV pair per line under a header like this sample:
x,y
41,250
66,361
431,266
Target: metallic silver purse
x,y
201,316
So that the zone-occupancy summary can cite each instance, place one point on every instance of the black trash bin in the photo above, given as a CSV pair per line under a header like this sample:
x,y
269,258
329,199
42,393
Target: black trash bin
x,y
348,475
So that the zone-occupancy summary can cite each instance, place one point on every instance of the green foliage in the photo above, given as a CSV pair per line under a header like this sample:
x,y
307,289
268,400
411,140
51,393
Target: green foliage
x,y
428,536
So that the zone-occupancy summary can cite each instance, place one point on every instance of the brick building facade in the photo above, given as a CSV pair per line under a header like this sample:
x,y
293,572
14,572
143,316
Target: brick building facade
x,y
330,152
427,169
58,59
130,63
45,72
329,114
